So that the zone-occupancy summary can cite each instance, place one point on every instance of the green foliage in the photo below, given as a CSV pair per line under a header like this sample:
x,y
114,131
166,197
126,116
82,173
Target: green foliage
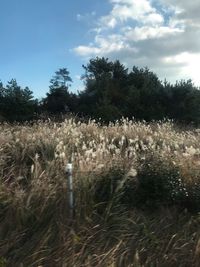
x,y
56,101
60,79
3,262
182,102
105,91
144,95
111,92
16,103
159,183
59,100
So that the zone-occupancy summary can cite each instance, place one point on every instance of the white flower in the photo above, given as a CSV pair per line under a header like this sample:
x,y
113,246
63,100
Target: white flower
x,y
62,155
32,168
117,151
191,150
123,138
36,156
150,139
132,172
186,155
84,147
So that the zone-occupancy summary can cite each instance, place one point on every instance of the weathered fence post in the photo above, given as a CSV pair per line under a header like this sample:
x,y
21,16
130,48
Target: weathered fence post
x,y
69,168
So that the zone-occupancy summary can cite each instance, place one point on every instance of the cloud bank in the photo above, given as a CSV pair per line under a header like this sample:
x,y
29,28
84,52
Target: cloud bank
x,y
163,35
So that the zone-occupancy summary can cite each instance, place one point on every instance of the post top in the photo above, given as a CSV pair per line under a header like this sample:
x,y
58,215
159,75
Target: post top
x,y
69,167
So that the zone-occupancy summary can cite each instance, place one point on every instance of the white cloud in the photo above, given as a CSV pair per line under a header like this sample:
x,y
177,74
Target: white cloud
x,y
107,21
147,32
87,50
125,10
161,34
190,62
153,19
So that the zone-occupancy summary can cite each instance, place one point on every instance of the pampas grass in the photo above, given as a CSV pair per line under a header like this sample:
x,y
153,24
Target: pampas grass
x,y
111,230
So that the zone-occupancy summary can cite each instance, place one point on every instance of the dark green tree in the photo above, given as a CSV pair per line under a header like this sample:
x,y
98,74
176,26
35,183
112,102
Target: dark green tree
x,y
183,102
16,103
1,101
58,99
112,92
104,94
145,95
61,79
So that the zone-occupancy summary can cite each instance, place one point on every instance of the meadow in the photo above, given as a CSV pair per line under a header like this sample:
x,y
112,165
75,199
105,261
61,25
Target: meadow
x,y
136,190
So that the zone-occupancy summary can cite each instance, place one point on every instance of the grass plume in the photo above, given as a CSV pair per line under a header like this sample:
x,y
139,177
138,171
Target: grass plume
x,y
136,188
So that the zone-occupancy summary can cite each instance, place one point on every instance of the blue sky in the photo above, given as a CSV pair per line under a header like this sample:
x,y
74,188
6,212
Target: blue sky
x,y
40,36
37,38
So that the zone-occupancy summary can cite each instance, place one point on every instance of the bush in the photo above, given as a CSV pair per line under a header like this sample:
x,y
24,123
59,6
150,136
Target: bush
x,y
161,183
158,183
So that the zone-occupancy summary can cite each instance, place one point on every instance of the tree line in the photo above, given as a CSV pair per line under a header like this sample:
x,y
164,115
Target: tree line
x,y
110,92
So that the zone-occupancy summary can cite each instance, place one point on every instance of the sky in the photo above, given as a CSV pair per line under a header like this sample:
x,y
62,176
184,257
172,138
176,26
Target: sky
x,y
40,36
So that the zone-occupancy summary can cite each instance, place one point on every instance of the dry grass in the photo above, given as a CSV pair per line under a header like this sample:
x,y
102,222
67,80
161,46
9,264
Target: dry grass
x,y
35,228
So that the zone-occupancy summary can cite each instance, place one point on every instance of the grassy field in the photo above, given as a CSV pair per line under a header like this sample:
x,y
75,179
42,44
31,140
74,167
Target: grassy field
x,y
136,190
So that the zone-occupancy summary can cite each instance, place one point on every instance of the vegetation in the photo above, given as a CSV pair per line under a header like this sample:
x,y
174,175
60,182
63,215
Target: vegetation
x,y
136,188
136,180
16,103
111,91
59,100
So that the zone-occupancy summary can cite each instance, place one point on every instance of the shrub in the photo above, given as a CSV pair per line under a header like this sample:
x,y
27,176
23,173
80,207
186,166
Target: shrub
x,y
160,183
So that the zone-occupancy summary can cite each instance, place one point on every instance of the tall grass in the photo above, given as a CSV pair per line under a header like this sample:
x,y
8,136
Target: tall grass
x,y
136,188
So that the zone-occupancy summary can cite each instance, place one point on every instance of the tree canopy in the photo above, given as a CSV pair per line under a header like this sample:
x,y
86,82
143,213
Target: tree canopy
x,y
58,99
111,91
16,103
